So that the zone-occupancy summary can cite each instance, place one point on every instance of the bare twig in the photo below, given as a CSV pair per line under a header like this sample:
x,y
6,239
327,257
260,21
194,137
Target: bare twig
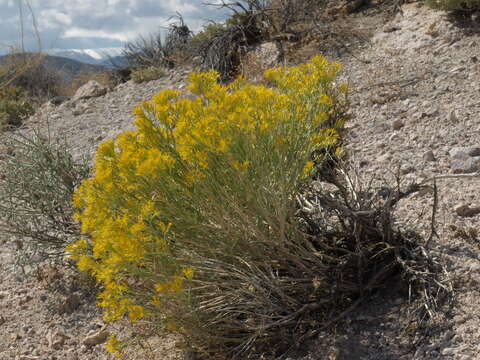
x,y
433,231
451,176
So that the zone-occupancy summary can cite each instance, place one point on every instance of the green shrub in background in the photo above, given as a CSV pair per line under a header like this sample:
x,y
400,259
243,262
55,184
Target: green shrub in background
x,y
454,5
141,75
15,106
191,219
38,176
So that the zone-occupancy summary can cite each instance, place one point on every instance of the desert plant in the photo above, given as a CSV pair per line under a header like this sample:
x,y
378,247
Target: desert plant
x,y
203,221
195,209
454,5
141,75
155,52
15,106
38,178
146,52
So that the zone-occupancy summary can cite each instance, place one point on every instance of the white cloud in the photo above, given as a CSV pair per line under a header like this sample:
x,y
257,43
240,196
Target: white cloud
x,y
76,32
53,19
183,7
97,23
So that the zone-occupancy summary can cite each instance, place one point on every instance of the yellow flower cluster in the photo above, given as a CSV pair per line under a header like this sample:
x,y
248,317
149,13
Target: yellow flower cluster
x,y
141,205
113,346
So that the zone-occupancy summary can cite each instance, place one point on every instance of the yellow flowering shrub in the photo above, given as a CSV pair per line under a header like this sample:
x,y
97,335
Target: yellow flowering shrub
x,y
203,184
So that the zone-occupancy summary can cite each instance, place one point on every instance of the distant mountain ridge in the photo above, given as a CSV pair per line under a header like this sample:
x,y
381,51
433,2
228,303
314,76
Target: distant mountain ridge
x,y
63,63
102,56
68,68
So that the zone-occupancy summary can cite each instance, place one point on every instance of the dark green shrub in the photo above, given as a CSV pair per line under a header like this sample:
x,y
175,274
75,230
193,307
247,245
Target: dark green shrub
x,y
37,178
15,106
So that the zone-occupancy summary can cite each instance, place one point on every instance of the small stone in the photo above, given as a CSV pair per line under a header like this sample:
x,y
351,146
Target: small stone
x,y
439,49
407,170
449,351
384,158
379,99
433,111
457,338
363,163
469,165
79,110
392,137
391,28
96,338
56,339
428,156
69,304
453,117
465,159
58,100
466,210
89,90
25,299
397,124
448,335
457,69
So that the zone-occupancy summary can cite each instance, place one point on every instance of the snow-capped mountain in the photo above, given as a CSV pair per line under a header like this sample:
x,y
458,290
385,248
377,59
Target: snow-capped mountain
x,y
98,56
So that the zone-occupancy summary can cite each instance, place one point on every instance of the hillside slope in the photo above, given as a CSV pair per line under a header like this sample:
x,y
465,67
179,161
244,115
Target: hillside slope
x,y
69,68
415,102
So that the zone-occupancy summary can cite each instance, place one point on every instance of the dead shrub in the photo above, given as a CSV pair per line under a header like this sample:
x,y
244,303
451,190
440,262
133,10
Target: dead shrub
x,y
221,46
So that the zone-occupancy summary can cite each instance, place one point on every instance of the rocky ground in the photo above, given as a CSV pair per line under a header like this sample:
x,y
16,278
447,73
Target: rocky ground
x,y
416,111
416,107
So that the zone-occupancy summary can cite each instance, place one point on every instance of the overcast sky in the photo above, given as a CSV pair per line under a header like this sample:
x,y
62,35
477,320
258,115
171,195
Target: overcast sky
x,y
91,24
